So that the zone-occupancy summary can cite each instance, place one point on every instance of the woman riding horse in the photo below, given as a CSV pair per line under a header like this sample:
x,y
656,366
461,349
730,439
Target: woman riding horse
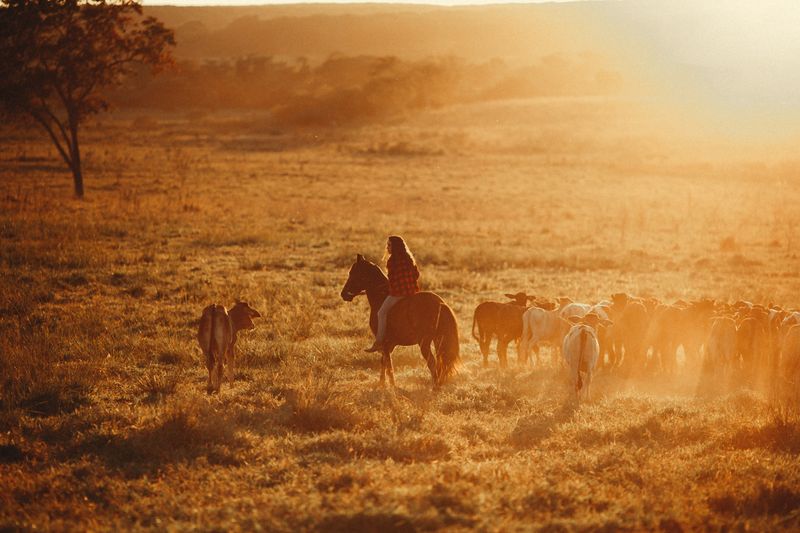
x,y
403,276
422,318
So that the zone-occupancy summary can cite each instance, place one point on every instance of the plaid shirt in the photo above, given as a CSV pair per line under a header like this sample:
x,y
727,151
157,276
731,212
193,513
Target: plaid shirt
x,y
403,277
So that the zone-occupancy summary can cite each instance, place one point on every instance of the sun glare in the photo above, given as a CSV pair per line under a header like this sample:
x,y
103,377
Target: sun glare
x,y
738,61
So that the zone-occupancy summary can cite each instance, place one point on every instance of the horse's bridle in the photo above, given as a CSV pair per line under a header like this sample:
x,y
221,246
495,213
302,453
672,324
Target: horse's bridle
x,y
368,287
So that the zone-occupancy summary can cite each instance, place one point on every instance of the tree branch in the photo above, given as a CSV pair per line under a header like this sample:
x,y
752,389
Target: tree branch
x,y
41,120
55,119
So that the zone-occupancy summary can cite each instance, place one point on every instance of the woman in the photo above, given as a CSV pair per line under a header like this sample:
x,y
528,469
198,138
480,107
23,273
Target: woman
x,y
403,276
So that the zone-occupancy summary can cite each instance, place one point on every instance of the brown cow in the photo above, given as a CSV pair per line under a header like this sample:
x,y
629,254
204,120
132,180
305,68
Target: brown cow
x,y
789,383
752,339
694,327
630,318
502,320
720,347
663,335
217,337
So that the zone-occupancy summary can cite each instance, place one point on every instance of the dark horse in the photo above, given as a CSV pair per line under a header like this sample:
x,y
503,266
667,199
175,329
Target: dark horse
x,y
422,319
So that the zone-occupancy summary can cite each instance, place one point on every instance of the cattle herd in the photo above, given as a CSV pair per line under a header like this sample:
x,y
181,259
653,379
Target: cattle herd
x,y
626,333
635,334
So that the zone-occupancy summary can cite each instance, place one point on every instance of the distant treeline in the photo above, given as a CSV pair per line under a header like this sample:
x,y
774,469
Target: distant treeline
x,y
350,90
518,33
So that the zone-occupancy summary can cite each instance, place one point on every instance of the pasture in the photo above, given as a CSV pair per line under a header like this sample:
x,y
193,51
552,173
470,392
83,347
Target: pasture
x,y
105,422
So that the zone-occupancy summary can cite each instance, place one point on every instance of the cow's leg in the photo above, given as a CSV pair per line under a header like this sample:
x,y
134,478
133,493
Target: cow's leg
x,y
522,349
502,350
692,351
612,353
229,371
558,355
210,367
601,341
587,384
671,357
485,343
218,374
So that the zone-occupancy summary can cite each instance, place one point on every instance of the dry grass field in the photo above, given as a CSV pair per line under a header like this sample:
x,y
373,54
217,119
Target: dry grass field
x,y
104,419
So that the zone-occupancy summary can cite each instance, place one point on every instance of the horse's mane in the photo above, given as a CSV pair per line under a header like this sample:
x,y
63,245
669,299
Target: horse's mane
x,y
375,270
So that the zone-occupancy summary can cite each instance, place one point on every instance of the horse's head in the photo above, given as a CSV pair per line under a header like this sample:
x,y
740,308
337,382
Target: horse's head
x,y
358,281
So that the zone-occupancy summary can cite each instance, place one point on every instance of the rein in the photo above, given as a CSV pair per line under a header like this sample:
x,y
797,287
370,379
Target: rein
x,y
377,286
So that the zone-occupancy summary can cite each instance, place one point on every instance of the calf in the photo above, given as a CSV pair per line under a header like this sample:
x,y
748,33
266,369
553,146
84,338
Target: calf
x,y
217,337
789,385
499,319
574,309
540,325
721,344
752,340
581,351
663,335
630,329
695,326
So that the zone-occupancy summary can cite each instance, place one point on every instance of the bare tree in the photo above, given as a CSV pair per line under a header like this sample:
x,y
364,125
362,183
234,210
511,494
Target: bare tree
x,y
57,57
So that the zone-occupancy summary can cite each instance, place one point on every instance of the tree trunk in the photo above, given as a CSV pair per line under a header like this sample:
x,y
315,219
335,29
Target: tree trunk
x,y
77,178
75,155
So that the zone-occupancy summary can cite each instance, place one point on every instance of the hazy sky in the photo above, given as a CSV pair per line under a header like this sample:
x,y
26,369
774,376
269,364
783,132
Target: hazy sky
x,y
263,2
738,54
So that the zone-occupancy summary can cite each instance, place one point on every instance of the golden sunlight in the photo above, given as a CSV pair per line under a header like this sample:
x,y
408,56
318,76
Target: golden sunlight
x,y
382,267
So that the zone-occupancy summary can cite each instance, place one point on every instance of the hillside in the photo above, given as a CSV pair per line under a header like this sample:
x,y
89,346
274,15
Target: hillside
x,y
517,33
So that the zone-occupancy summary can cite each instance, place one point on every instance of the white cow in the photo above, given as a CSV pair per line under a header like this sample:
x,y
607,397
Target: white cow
x,y
791,319
581,352
540,325
574,309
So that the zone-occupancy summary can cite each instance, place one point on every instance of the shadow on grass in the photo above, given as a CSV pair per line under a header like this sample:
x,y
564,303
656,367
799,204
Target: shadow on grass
x,y
777,499
377,523
775,435
404,448
182,437
53,398
534,428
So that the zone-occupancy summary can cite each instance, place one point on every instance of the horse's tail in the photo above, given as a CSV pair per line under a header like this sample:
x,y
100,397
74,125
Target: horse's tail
x,y
446,342
581,344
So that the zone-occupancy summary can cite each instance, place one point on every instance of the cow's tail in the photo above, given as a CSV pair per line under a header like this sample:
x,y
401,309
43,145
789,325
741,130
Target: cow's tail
x,y
446,342
215,366
475,323
581,346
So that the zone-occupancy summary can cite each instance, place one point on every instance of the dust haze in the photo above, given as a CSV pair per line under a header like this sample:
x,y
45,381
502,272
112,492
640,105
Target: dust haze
x,y
578,150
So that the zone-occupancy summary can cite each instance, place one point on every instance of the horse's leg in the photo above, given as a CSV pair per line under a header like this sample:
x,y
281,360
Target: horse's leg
x,y
383,369
427,353
389,366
